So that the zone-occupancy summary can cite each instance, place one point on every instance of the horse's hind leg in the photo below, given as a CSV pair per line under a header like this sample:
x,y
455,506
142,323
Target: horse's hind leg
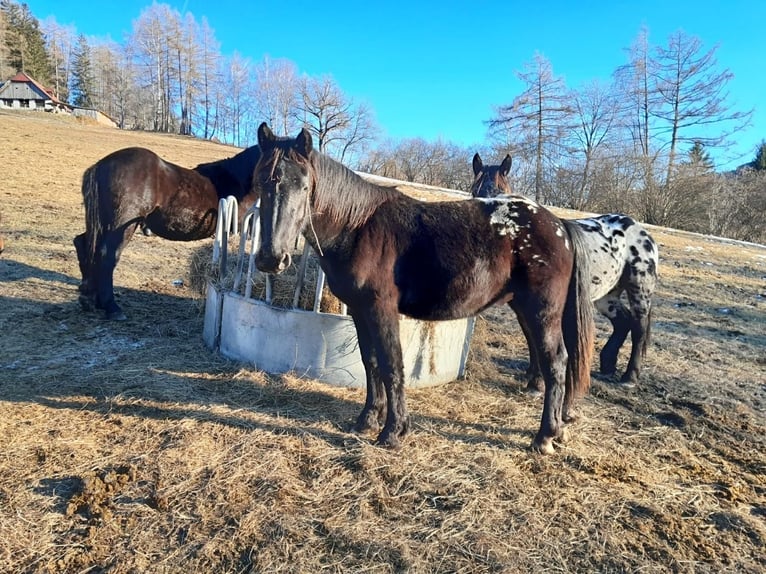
x,y
640,316
87,287
109,250
613,309
548,339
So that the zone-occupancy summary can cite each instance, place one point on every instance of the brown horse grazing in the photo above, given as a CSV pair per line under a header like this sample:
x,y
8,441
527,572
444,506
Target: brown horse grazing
x,y
623,258
134,187
385,253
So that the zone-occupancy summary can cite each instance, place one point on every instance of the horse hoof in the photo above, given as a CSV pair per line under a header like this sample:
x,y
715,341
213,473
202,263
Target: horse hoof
x,y
570,417
543,446
533,391
389,441
87,303
627,382
563,437
116,316
360,429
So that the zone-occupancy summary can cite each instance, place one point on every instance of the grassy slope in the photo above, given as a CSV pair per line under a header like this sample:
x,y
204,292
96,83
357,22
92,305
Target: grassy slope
x,y
132,448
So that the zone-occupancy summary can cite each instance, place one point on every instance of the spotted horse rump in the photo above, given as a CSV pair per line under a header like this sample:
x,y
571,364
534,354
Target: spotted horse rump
x,y
623,262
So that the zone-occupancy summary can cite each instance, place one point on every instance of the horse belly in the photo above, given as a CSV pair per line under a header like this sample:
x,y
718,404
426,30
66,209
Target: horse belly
x,y
443,294
182,224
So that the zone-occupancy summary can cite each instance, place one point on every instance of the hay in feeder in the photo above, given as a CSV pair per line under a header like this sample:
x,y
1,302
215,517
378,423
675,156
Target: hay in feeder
x,y
202,270
283,287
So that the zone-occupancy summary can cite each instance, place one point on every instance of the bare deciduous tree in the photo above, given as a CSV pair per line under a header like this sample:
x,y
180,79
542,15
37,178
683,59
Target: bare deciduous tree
x,y
540,116
277,94
693,97
339,126
60,40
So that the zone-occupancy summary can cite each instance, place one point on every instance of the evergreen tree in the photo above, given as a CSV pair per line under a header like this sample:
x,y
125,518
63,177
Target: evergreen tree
x,y
25,42
83,89
759,163
700,157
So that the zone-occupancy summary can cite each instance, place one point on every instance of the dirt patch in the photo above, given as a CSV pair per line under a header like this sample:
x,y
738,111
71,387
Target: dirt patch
x,y
130,447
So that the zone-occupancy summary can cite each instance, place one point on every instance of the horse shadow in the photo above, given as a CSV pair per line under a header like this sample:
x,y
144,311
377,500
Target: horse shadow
x,y
62,357
12,271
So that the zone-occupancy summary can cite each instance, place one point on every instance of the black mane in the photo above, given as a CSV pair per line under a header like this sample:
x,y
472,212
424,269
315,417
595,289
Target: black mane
x,y
344,195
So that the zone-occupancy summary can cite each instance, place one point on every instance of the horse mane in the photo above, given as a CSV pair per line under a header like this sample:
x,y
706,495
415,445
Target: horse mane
x,y
343,195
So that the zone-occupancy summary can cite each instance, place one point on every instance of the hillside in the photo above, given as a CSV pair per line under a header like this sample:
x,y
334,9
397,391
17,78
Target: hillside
x,y
130,447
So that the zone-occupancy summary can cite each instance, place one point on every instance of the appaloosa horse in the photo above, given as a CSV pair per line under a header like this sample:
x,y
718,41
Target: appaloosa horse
x,y
134,187
623,259
385,253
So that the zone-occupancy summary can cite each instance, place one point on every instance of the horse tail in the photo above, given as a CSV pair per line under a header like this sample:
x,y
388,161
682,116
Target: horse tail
x,y
647,334
91,200
578,325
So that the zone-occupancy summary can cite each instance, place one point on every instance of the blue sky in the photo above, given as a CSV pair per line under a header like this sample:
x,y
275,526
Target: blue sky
x,y
437,69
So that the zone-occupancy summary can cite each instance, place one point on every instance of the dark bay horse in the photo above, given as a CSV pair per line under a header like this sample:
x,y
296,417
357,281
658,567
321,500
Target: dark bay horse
x,y
385,253
134,187
623,258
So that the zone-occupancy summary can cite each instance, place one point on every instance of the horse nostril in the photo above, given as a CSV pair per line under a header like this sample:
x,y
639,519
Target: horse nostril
x,y
285,262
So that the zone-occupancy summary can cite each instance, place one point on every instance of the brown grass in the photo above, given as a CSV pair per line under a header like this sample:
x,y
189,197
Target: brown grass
x,y
130,447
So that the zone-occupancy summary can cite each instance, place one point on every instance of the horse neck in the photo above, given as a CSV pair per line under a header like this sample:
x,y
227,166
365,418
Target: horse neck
x,y
341,198
233,175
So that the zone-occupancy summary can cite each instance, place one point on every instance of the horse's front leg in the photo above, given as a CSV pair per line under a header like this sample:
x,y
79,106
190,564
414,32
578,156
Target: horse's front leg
x,y
373,415
535,382
384,330
87,285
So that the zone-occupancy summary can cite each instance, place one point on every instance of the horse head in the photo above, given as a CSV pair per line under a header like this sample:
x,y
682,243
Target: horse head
x,y
491,180
285,178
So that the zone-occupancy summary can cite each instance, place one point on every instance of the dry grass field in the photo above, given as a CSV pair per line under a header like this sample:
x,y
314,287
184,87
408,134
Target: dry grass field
x,y
130,447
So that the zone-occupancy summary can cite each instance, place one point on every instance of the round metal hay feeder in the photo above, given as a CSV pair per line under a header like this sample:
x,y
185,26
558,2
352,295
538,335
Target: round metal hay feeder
x,y
312,343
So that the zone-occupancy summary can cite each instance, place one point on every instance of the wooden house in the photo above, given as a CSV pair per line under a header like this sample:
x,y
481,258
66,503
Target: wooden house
x,y
25,93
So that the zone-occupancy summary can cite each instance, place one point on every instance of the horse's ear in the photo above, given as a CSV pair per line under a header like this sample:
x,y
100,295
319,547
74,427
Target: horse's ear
x,y
304,143
265,135
478,166
505,167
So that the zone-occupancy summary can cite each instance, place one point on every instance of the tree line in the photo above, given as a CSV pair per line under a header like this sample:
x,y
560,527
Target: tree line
x,y
640,143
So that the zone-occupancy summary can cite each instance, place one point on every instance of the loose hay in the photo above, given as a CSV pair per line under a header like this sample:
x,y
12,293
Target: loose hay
x,y
202,270
220,468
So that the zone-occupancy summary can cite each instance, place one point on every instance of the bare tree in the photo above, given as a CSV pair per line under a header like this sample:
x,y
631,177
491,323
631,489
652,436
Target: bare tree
x,y
209,78
277,94
324,109
151,36
60,41
439,163
358,135
339,126
540,116
237,105
595,113
693,97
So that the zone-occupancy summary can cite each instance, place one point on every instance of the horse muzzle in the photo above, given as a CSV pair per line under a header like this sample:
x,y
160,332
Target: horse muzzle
x,y
272,263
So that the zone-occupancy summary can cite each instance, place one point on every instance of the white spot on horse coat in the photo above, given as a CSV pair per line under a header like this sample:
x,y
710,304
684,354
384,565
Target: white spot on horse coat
x,y
506,213
506,219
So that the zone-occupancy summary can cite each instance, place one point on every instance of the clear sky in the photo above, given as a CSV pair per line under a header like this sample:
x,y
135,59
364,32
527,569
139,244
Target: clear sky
x,y
437,69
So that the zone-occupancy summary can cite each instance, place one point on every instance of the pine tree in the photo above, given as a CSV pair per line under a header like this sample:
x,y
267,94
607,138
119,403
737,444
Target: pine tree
x,y
83,83
25,42
759,163
700,157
